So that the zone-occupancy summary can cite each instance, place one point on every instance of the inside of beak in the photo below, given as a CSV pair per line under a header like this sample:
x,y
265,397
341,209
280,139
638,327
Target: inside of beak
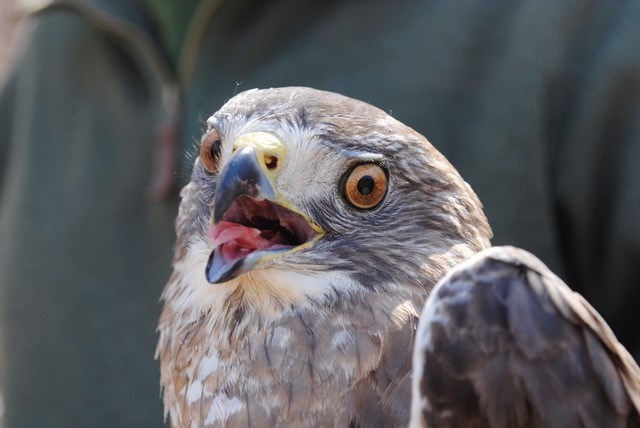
x,y
250,229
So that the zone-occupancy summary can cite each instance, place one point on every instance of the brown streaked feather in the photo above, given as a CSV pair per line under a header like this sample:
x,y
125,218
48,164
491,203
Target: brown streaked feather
x,y
505,343
381,398
315,380
396,366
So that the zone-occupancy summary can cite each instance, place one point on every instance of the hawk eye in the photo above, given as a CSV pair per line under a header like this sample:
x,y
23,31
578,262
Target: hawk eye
x,y
366,186
210,148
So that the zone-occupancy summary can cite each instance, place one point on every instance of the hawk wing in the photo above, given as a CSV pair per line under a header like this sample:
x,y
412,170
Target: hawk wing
x,y
503,342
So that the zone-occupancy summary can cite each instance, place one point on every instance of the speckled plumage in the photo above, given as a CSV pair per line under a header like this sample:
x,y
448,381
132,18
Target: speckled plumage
x,y
322,336
504,343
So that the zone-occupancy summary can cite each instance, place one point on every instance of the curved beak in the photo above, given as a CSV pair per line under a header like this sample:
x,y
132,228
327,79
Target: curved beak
x,y
242,176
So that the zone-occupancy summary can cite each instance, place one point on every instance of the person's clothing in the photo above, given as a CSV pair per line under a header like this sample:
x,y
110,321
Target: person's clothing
x,y
172,20
537,103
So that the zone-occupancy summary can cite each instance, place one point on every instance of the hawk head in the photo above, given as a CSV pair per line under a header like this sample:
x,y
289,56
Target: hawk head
x,y
306,205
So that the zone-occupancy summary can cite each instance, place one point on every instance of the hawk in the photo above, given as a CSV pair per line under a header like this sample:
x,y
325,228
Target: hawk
x,y
503,342
308,239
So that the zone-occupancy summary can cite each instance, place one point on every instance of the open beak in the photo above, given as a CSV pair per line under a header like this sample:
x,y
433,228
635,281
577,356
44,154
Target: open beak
x,y
251,223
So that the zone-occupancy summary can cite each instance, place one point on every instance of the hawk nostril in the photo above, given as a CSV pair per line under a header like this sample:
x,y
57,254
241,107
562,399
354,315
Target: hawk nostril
x,y
271,161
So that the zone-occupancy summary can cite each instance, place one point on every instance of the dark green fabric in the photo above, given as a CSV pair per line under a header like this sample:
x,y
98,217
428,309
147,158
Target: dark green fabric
x,y
83,256
172,19
537,103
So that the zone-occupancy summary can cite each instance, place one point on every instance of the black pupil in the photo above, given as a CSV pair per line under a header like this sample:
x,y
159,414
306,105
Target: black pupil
x,y
215,148
366,184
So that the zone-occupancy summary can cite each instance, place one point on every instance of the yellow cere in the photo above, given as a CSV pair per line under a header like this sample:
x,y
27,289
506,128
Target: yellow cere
x,y
268,147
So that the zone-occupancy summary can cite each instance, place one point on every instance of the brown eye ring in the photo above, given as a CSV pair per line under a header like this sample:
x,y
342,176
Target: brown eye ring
x,y
365,186
210,148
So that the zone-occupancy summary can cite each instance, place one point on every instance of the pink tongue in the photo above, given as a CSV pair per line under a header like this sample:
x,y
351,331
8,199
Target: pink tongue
x,y
237,241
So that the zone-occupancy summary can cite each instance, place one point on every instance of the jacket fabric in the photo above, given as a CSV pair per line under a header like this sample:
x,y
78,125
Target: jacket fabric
x,y
536,103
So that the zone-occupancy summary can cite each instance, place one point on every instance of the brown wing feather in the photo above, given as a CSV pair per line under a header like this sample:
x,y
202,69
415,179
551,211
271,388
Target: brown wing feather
x,y
505,343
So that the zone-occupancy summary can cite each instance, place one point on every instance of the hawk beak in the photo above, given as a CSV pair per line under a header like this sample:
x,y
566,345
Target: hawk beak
x,y
241,177
251,222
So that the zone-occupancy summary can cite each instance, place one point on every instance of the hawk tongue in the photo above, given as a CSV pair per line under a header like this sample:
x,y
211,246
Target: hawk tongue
x,y
232,243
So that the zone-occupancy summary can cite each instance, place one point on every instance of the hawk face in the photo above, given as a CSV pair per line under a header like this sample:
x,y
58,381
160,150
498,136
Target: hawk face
x,y
274,206
307,207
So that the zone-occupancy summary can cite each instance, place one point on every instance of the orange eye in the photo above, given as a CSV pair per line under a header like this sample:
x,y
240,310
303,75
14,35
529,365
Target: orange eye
x,y
210,151
366,186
